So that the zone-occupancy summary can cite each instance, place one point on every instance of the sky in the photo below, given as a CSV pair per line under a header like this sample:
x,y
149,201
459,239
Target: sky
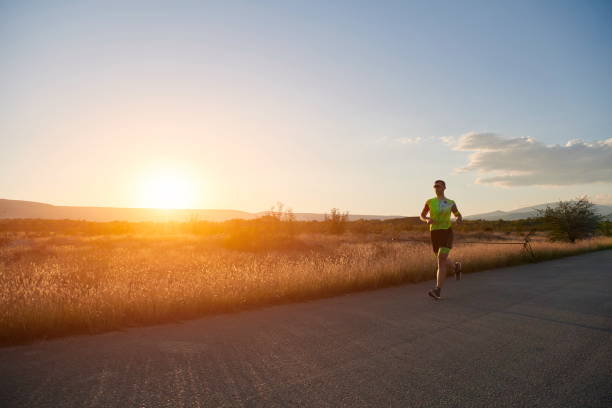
x,y
356,105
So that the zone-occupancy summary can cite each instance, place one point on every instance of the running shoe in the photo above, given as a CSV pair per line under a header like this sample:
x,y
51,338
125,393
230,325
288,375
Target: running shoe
x,y
434,293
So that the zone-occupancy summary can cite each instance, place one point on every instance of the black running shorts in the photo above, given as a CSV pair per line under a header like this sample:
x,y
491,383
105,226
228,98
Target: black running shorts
x,y
441,238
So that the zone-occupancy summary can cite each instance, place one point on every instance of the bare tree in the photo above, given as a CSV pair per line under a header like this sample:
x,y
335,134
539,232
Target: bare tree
x,y
276,213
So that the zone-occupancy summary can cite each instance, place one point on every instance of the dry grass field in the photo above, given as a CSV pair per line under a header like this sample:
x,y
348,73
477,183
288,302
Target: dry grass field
x,y
59,285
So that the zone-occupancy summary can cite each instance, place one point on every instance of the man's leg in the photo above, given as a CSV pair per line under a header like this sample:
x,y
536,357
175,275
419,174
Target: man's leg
x,y
443,261
449,264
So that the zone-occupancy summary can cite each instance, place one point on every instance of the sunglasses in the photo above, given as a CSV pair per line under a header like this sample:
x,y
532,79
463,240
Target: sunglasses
x,y
438,185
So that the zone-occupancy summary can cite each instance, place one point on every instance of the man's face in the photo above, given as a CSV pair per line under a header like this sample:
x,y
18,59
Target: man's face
x,y
438,187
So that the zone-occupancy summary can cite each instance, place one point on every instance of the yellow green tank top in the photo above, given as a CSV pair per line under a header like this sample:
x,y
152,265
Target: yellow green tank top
x,y
440,213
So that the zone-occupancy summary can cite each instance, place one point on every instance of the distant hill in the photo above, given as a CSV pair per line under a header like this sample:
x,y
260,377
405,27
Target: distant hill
x,y
526,212
31,209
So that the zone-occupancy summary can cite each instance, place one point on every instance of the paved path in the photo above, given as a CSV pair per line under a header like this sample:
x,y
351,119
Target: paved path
x,y
537,335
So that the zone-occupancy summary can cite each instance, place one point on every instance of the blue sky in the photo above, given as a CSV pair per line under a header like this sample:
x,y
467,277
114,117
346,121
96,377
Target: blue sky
x,y
348,104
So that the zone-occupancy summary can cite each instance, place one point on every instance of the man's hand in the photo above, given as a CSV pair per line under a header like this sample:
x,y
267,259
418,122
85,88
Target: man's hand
x,y
429,220
459,220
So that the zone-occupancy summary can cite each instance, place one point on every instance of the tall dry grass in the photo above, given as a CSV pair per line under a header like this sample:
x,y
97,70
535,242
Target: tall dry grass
x,y
54,286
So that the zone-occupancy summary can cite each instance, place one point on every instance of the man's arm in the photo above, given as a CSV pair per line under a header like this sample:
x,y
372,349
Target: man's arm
x,y
424,213
458,215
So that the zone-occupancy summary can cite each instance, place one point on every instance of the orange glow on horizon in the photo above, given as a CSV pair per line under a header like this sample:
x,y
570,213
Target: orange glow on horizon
x,y
168,189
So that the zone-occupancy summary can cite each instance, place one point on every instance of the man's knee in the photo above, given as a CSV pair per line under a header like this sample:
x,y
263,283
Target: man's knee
x,y
442,260
443,252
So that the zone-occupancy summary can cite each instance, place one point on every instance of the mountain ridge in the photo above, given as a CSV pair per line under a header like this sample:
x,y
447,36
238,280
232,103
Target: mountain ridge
x,y
33,209
527,212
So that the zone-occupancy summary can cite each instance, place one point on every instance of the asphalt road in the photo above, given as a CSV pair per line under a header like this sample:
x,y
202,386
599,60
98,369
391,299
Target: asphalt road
x,y
538,335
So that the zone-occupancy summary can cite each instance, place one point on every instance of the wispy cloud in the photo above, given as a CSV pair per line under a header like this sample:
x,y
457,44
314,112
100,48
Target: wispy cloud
x,y
409,140
449,140
523,161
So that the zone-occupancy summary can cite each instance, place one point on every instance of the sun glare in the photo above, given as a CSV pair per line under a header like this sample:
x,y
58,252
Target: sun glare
x,y
168,190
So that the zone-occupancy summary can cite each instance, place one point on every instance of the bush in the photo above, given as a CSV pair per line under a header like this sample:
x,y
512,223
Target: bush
x,y
606,228
336,221
571,220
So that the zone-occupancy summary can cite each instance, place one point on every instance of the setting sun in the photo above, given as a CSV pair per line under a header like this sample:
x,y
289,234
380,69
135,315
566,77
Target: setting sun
x,y
168,190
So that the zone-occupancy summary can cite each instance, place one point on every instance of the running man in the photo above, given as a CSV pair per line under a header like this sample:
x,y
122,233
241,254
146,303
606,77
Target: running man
x,y
440,208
